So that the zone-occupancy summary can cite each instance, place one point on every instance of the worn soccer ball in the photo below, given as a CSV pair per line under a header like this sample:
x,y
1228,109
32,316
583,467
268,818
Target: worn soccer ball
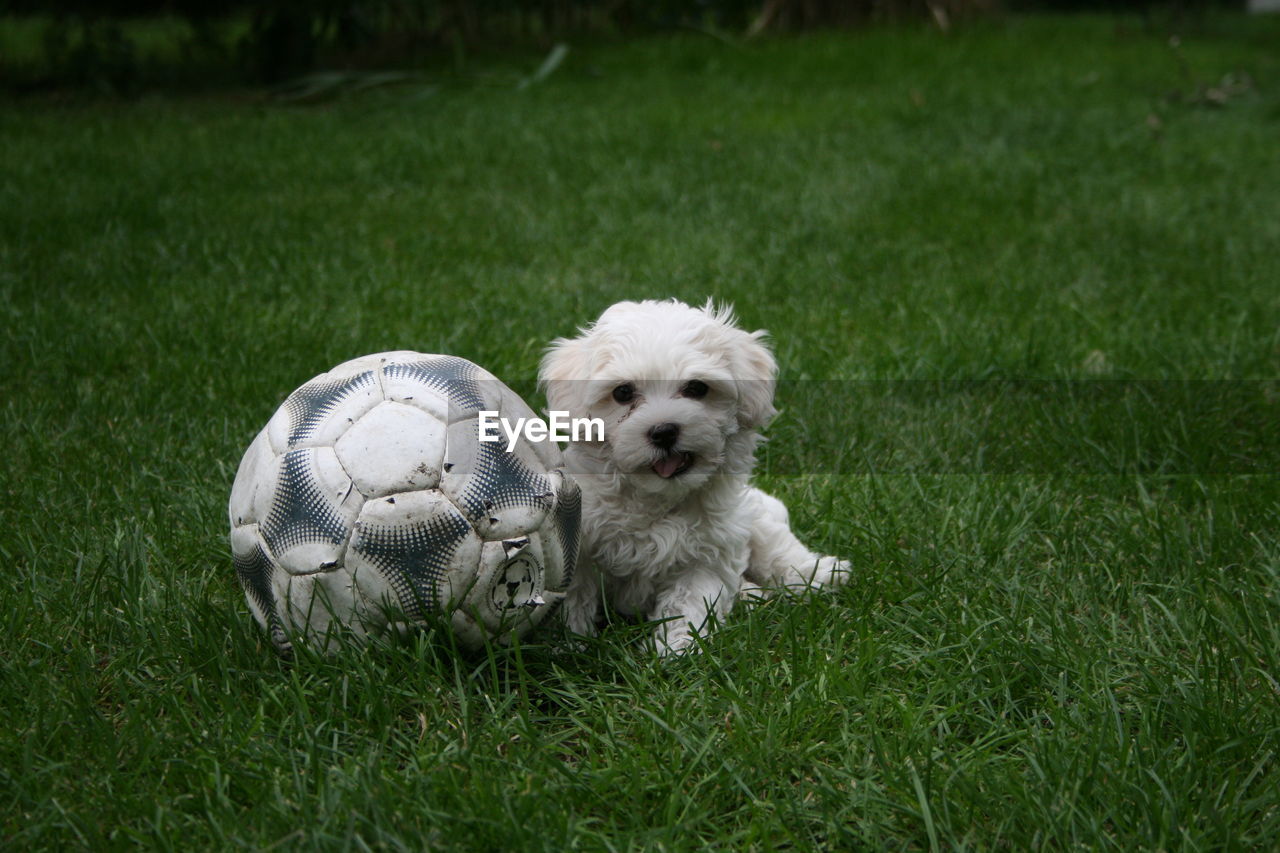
x,y
368,503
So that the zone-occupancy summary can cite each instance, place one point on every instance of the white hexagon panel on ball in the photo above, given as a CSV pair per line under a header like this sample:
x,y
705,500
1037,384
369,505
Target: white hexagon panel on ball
x,y
394,448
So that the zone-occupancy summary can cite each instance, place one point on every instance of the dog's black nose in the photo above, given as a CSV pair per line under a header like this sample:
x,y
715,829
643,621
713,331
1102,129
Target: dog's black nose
x,y
664,435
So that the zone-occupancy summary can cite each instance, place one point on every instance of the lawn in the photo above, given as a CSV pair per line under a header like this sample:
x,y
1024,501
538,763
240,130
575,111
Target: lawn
x,y
1022,283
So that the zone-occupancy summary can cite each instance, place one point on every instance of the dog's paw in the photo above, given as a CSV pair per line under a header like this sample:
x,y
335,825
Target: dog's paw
x,y
831,571
673,643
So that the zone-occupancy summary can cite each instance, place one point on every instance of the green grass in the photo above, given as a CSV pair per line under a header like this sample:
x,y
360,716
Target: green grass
x,y
1064,627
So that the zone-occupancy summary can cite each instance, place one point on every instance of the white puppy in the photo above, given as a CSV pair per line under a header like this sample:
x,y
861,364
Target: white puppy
x,y
672,529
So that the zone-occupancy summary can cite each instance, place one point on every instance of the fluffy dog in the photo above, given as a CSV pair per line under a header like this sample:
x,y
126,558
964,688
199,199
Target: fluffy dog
x,y
672,529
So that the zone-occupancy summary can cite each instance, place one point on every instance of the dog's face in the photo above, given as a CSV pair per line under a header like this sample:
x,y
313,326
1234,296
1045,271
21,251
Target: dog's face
x,y
673,385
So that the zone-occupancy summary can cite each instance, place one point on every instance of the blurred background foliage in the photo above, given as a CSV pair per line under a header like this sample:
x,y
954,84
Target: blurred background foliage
x,y
119,46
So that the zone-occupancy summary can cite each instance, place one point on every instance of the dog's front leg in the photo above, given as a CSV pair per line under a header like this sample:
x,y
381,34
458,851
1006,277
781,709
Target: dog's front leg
x,y
583,600
686,605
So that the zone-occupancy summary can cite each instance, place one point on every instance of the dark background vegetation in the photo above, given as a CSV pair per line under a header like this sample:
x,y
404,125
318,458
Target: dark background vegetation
x,y
122,46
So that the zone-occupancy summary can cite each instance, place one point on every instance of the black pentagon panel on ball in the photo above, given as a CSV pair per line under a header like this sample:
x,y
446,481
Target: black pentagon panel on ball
x,y
413,558
568,514
310,405
301,513
255,569
456,378
500,480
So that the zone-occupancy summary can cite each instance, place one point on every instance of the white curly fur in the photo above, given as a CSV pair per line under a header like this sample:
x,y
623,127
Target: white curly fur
x,y
673,534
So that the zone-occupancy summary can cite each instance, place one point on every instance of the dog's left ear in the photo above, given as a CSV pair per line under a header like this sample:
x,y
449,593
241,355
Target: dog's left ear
x,y
754,372
564,367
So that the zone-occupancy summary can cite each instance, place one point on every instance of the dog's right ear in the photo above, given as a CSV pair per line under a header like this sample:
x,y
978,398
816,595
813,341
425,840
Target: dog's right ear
x,y
564,369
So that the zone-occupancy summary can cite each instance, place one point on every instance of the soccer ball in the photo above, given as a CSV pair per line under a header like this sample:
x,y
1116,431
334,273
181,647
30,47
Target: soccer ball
x,y
368,503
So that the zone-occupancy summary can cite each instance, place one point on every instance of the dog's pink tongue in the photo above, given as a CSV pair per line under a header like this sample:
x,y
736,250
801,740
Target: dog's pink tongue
x,y
667,466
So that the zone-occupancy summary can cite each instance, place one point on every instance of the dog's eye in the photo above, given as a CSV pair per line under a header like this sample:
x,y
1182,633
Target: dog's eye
x,y
694,390
624,393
